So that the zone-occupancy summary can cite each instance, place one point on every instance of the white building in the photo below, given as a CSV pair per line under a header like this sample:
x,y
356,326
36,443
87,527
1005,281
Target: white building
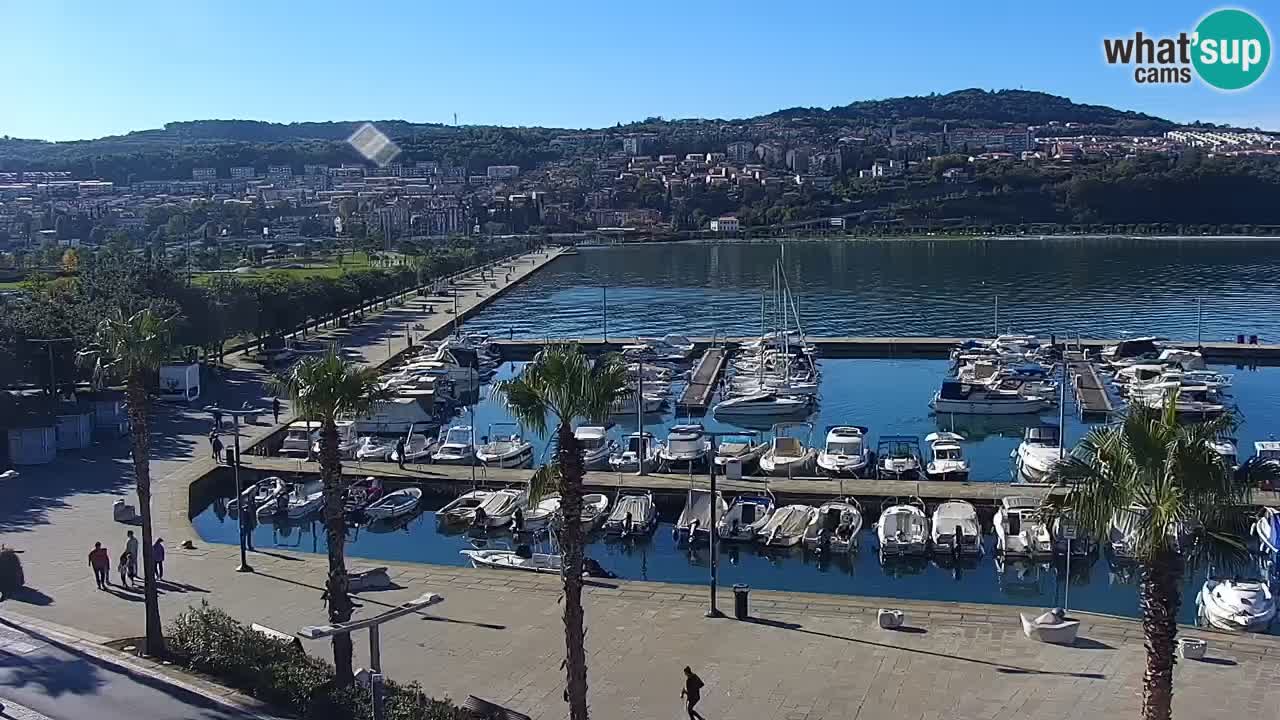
x,y
725,224
243,173
502,172
204,174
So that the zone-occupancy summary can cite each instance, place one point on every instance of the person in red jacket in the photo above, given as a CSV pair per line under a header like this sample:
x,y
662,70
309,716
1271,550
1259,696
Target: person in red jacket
x,y
100,561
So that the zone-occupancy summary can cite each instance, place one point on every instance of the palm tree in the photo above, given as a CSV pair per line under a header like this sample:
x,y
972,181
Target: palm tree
x,y
323,388
1189,510
133,347
563,384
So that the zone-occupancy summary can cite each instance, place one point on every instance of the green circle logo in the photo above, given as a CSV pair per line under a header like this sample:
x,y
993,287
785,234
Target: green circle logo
x,y
1232,49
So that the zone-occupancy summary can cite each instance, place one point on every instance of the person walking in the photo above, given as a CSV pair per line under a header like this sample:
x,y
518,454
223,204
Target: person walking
x,y
217,419
400,452
692,692
275,410
215,444
157,556
100,561
131,548
123,568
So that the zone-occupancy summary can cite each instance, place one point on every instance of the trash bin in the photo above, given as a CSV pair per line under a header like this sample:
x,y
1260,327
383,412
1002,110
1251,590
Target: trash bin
x,y
740,609
231,457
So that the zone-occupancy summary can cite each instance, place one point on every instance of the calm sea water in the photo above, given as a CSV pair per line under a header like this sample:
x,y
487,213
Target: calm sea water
x,y
1103,287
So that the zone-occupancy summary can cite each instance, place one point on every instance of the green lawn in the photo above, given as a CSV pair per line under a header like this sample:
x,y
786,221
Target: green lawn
x,y
325,268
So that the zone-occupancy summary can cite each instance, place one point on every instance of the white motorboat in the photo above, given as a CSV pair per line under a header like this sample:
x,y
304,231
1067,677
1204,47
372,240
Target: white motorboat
x,y
1038,454
596,446
845,452
696,518
394,504
595,508
903,529
1267,530
687,448
787,525
760,404
835,527
504,449
1139,375
348,441
1216,381
543,514
1240,605
639,445
745,449
956,529
457,448
1189,400
649,402
409,406
418,448
510,560
300,437
300,501
462,509
898,457
1132,352
1020,530
496,510
372,447
262,493
745,516
633,514
1008,398
1191,360
946,457
788,456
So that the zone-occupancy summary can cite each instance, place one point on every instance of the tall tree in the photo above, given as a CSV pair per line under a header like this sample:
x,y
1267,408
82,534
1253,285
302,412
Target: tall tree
x,y
324,388
132,347
1163,479
563,384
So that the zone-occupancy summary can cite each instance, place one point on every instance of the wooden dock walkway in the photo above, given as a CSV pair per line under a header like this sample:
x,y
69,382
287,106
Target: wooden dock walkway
x,y
702,383
1092,398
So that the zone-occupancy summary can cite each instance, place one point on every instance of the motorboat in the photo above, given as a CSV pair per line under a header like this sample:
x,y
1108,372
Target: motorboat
x,y
511,560
1189,400
1038,453
787,525
542,514
898,457
1267,452
300,437
595,508
301,501
956,529
418,448
761,403
496,510
671,346
1132,351
745,516
744,448
845,452
1226,449
372,447
1007,398
946,457
457,448
633,514
639,445
788,456
1267,530
409,406
835,527
649,403
687,448
504,449
394,504
1020,529
596,446
696,518
462,509
903,529
1191,360
1239,605
1216,381
1064,528
260,494
348,441
1139,375
360,494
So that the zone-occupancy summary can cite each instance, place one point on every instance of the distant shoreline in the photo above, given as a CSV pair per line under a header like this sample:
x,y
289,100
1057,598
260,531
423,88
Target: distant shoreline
x,y
933,238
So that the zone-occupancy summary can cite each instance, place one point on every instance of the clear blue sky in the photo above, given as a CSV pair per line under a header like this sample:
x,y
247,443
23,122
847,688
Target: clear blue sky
x,y
86,69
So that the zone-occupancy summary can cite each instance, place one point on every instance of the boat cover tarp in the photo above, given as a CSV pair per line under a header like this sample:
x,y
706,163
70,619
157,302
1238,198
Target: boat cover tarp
x,y
788,521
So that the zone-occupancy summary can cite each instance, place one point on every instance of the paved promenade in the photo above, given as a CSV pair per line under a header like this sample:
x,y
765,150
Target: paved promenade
x,y
499,635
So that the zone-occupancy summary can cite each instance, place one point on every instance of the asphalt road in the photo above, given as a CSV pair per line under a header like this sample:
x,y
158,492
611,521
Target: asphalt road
x,y
59,682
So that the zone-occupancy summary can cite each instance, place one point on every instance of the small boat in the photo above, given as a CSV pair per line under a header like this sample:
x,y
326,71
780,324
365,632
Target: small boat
x,y
788,456
260,494
787,525
457,448
541,515
1240,605
360,494
687,448
1008,398
1196,401
946,457
510,560
595,508
696,518
300,501
650,403
745,516
633,514
956,529
1132,352
1039,452
596,446
903,529
504,450
497,509
1267,530
394,504
1064,526
835,527
759,404
1020,531
638,445
372,447
898,457
418,447
300,437
348,441
462,509
845,452
744,448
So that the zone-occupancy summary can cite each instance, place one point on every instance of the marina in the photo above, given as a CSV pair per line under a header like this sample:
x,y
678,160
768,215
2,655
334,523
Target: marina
x,y
702,383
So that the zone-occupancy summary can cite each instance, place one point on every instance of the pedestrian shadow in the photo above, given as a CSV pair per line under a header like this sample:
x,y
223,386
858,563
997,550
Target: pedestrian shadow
x,y
277,556
171,586
30,596
126,593
1224,662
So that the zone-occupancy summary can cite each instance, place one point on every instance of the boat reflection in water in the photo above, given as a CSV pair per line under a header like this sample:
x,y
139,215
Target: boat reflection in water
x,y
981,427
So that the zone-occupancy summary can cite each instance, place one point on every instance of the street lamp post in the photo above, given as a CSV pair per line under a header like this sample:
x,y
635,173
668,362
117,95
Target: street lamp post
x,y
235,465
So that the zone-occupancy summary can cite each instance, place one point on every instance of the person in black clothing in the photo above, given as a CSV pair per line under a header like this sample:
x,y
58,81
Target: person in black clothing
x,y
216,445
275,410
400,452
692,692
217,419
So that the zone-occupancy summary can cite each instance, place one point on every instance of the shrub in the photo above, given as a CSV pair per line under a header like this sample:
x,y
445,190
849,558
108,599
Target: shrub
x,y
11,579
